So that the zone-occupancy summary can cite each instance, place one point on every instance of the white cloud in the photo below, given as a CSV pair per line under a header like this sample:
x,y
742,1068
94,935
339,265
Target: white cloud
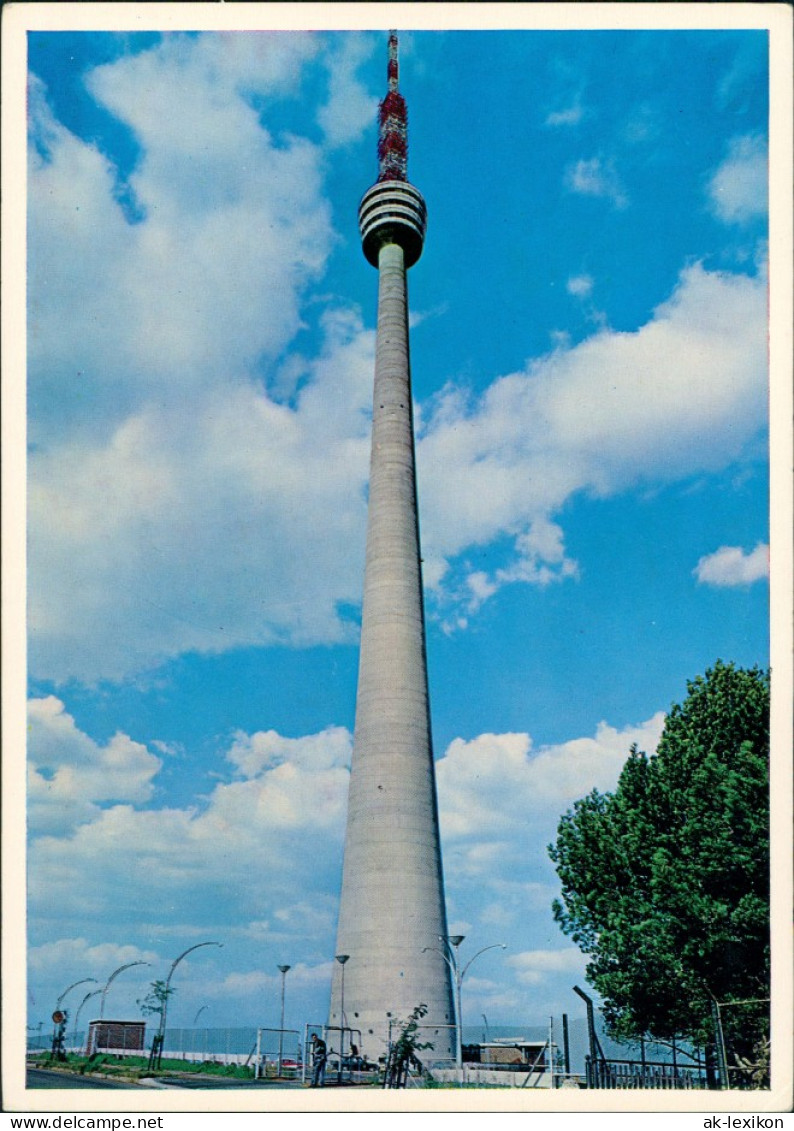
x,y
169,315
68,773
580,286
540,557
254,753
154,443
290,784
286,805
738,190
258,864
64,961
496,783
685,393
118,526
227,870
533,966
71,956
188,478
481,589
596,177
731,566
258,982
282,814
570,116
349,109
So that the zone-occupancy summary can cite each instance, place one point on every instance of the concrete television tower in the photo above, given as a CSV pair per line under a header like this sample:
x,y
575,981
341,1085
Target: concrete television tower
x,y
392,905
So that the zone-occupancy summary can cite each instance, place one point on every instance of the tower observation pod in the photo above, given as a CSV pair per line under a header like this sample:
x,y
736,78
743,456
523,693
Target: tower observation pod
x,y
392,914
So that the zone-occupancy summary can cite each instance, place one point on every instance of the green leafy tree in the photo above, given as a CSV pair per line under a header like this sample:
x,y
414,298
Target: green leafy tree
x,y
665,882
403,1052
154,1002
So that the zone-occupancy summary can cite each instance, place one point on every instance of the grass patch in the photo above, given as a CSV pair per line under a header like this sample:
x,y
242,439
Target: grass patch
x,y
133,1067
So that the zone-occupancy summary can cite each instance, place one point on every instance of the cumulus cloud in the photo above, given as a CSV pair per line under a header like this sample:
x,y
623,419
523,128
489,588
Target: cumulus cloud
x,y
252,754
349,109
231,866
580,286
284,802
730,566
685,393
596,177
66,960
189,472
496,783
144,873
203,531
154,441
532,967
69,773
737,191
287,797
258,981
124,313
118,526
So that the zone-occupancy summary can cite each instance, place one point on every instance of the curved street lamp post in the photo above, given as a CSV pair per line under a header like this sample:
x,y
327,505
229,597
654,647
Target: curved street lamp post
x,y
450,956
88,996
55,1037
110,979
174,964
68,988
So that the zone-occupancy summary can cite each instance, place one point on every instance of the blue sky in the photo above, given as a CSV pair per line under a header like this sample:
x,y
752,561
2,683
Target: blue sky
x,y
589,353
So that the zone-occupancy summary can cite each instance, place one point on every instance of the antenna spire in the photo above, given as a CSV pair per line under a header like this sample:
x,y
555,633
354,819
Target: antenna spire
x,y
393,69
393,123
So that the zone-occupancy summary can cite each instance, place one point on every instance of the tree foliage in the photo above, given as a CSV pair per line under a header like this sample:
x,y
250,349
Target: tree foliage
x,y
154,1002
665,882
403,1052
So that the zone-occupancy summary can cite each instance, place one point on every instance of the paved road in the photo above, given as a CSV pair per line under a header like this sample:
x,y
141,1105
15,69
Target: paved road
x,y
222,1082
43,1078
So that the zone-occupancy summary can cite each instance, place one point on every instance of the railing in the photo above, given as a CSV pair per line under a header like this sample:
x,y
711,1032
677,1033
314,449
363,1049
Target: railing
x,y
623,1074
233,1045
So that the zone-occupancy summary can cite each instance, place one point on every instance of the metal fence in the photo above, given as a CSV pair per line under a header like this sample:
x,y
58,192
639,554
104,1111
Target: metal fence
x,y
623,1074
234,1045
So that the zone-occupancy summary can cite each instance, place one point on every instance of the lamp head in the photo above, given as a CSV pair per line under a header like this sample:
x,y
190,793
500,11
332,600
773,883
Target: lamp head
x,y
456,940
284,969
342,958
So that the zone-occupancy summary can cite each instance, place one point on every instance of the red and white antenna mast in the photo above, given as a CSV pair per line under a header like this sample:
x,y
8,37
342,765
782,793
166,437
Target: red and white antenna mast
x,y
393,121
393,210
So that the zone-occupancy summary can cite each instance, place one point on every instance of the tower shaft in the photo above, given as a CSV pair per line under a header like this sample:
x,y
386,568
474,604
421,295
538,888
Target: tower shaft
x,y
392,914
392,904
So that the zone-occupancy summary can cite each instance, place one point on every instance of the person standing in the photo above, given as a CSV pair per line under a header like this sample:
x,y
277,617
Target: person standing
x,y
319,1060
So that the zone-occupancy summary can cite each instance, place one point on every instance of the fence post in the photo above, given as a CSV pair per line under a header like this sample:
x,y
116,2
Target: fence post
x,y
722,1057
551,1051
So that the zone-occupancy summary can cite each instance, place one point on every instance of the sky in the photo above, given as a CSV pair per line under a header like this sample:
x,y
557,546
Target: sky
x,y
589,356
